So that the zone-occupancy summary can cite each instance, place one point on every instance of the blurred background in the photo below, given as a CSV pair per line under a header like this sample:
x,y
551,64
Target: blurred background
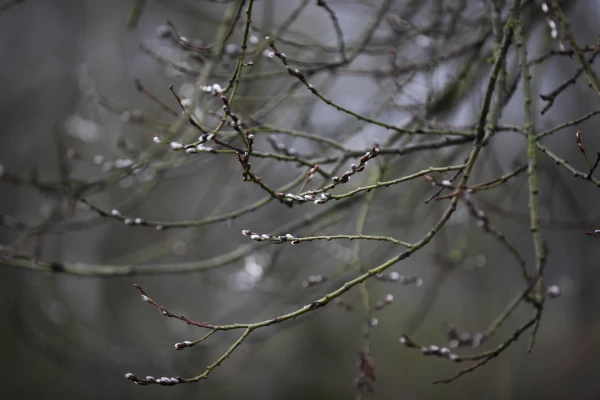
x,y
72,116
